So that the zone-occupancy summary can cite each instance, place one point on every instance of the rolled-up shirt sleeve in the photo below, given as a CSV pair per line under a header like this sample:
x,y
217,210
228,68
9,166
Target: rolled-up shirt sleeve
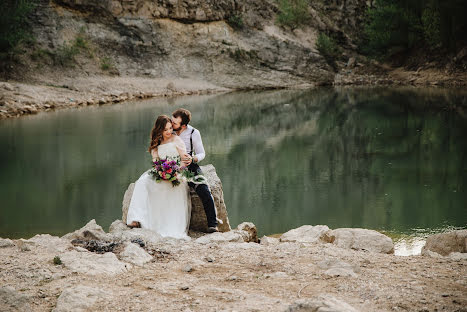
x,y
198,146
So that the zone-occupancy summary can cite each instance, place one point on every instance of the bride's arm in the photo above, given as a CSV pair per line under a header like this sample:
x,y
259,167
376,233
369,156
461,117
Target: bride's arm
x,y
154,154
181,148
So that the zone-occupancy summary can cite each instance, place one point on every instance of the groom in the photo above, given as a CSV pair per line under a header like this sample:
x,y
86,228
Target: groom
x,y
194,147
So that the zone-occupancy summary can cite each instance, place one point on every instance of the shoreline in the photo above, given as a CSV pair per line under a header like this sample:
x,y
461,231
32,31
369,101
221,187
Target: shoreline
x,y
25,98
223,271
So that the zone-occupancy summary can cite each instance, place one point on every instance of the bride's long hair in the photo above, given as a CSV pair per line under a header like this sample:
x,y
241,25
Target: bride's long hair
x,y
157,130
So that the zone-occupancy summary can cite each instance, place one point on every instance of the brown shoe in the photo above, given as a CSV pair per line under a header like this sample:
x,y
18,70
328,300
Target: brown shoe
x,y
134,224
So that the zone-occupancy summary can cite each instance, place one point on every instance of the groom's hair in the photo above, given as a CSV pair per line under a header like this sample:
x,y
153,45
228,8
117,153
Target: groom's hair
x,y
184,114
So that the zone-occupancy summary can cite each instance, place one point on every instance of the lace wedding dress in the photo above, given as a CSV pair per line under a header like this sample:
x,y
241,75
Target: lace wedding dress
x,y
159,206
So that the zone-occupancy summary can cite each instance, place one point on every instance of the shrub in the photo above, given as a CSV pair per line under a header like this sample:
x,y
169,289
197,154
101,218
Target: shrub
x,y
14,27
293,13
106,63
236,21
57,260
65,54
327,47
431,27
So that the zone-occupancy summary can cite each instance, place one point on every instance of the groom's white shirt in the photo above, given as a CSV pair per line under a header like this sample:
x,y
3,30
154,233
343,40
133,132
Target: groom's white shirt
x,y
198,147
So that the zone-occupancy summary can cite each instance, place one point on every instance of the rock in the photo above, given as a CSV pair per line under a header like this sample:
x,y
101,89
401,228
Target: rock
x,y
147,236
6,242
118,226
7,86
335,267
91,231
267,241
305,234
187,268
198,220
134,254
50,243
12,300
92,263
360,239
446,243
351,62
458,256
250,229
79,298
171,87
219,237
321,303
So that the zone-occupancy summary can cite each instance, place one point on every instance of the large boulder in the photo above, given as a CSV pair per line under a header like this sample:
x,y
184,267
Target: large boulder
x,y
198,220
321,303
134,254
305,234
360,239
79,298
13,300
91,231
446,243
93,264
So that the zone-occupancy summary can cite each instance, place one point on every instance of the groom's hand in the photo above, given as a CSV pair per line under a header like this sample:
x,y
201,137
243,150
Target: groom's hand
x,y
186,159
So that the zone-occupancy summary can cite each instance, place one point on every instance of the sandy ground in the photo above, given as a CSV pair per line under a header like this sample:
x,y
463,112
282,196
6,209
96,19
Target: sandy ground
x,y
188,276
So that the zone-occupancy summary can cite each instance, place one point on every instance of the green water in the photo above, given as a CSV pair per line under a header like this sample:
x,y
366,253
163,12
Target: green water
x,y
384,159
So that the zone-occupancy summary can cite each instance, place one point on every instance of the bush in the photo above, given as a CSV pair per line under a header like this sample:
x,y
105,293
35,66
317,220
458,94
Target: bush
x,y
57,260
236,21
431,27
293,13
327,47
65,54
14,28
106,63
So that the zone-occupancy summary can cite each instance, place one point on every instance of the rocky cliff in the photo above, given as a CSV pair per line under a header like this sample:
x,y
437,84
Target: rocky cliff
x,y
231,43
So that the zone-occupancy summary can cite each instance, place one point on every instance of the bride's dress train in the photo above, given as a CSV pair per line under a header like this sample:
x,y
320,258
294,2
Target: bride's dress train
x,y
159,206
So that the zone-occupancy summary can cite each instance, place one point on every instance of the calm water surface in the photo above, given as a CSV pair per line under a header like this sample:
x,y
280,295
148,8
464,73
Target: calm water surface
x,y
385,159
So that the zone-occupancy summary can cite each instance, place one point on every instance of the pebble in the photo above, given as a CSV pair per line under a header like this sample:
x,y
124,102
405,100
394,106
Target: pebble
x,y
187,268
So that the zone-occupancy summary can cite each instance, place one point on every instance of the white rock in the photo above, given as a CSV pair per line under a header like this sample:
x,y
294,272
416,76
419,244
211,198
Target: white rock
x,y
134,254
340,272
50,243
146,235
336,267
305,234
321,303
6,242
445,243
12,300
250,229
361,239
118,226
220,237
79,298
90,231
268,241
458,256
92,263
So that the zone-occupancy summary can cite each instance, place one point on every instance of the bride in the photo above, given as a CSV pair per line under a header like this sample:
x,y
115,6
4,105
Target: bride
x,y
159,206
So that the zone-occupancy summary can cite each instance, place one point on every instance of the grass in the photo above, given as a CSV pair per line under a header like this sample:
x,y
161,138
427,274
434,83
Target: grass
x,y
106,63
293,13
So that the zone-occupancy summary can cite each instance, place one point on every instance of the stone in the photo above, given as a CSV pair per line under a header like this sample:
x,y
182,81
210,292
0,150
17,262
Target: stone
x,y
147,236
250,229
12,300
79,298
91,231
360,239
321,303
268,241
187,268
93,264
305,234
351,62
220,237
446,243
171,87
8,87
458,256
134,254
336,267
118,226
198,221
50,243
6,242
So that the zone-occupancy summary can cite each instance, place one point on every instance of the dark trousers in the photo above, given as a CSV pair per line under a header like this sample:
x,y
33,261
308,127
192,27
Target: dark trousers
x,y
205,195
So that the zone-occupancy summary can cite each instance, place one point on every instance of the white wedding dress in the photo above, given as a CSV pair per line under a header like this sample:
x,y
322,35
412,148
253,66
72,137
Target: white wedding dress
x,y
159,206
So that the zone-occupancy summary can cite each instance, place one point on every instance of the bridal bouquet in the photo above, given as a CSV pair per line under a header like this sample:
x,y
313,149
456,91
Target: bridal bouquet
x,y
168,169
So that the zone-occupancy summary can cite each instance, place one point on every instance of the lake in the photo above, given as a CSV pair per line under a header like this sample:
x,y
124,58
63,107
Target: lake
x,y
389,159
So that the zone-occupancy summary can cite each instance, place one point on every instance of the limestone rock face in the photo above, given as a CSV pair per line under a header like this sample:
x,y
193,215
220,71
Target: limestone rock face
x,y
446,243
78,298
91,231
134,254
360,239
324,303
93,264
198,220
305,234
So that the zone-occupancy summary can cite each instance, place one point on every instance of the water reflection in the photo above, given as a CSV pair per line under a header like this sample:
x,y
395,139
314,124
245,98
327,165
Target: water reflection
x,y
387,159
